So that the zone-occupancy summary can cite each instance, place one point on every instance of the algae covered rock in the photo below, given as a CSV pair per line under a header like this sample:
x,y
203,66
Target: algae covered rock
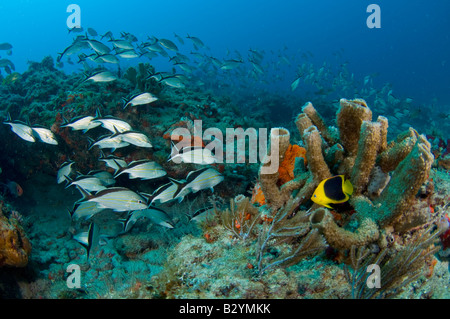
x,y
15,248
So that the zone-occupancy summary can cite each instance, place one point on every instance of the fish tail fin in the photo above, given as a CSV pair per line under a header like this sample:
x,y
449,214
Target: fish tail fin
x,y
176,182
119,170
177,151
98,114
102,155
348,187
70,211
84,193
64,122
69,181
148,197
8,117
91,142
91,234
125,103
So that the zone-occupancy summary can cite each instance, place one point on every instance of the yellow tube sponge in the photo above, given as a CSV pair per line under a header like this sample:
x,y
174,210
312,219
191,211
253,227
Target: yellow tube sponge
x,y
368,146
397,150
268,175
339,238
318,121
316,162
402,188
350,117
302,122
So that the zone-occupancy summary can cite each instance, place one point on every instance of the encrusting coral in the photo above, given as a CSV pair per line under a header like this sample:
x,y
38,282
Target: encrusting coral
x,y
385,177
15,247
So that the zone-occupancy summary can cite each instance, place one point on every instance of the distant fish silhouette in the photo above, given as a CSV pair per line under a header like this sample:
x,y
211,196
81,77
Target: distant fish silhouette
x,y
12,188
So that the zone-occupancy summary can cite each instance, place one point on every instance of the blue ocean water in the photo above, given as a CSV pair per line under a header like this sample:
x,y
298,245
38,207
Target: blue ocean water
x,y
410,50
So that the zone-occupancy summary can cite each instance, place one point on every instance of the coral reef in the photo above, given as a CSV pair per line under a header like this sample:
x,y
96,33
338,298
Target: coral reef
x,y
276,244
358,149
397,269
15,247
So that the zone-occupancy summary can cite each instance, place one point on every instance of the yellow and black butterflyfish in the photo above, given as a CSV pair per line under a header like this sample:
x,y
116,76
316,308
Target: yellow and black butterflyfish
x,y
333,190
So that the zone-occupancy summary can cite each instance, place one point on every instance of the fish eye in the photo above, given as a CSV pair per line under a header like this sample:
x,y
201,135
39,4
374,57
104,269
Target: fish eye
x,y
315,195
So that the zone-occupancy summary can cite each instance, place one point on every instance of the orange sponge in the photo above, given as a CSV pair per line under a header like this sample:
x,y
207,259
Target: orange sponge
x,y
286,169
258,195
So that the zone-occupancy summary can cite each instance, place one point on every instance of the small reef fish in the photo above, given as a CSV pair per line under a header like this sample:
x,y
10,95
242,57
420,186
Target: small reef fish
x,y
112,124
199,180
190,154
87,183
127,54
92,32
231,64
5,46
155,215
72,49
64,171
84,123
142,169
76,29
203,178
180,39
12,188
185,67
22,130
136,138
102,76
119,199
106,58
122,44
168,44
84,210
153,47
173,81
196,41
202,214
44,135
113,141
105,177
333,190
7,63
90,239
112,161
294,84
140,99
99,47
164,193
108,35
